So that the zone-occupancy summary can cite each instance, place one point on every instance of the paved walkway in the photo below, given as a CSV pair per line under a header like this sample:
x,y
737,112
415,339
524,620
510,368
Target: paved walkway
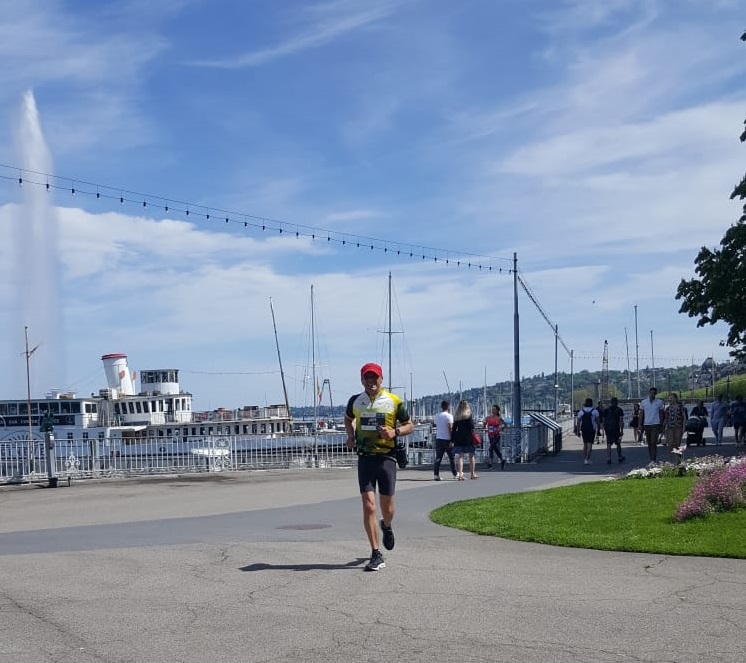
x,y
268,567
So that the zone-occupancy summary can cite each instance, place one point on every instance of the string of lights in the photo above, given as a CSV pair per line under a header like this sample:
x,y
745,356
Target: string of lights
x,y
76,187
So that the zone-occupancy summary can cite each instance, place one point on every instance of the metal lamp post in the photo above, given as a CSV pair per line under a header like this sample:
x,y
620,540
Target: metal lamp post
x,y
28,354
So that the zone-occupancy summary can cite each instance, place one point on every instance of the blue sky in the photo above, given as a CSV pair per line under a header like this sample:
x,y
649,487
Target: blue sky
x,y
597,140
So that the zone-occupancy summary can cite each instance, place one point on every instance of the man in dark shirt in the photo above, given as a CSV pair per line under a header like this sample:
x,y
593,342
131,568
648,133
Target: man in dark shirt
x,y
613,425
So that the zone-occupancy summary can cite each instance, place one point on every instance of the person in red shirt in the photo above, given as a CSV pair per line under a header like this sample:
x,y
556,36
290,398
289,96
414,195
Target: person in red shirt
x,y
495,424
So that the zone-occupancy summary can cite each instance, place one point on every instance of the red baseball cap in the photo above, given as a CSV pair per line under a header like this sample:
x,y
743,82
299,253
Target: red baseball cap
x,y
371,368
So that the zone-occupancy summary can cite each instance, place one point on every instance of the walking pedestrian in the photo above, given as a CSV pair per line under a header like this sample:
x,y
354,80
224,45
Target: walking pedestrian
x,y
443,428
462,438
495,425
718,417
634,424
676,417
613,425
738,419
587,425
374,419
600,408
651,421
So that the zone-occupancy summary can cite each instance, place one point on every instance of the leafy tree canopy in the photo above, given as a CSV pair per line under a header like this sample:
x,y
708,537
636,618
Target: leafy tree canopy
x,y
719,294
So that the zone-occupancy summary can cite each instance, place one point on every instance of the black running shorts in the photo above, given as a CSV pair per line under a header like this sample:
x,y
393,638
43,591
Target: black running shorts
x,y
376,471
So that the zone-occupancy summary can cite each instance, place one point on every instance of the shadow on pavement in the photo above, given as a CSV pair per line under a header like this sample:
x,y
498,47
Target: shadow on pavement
x,y
306,567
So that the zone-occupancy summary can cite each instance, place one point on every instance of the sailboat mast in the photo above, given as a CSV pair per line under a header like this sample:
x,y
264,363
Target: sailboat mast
x,y
313,377
279,359
389,331
629,373
484,393
411,395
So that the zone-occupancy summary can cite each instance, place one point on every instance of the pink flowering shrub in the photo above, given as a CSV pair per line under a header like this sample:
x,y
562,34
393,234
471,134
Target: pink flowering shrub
x,y
723,489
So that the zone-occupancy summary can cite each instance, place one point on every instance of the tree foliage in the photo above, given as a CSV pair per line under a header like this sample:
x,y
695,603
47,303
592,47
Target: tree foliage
x,y
719,294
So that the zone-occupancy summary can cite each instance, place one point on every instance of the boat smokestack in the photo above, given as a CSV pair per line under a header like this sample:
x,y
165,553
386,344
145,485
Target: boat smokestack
x,y
118,374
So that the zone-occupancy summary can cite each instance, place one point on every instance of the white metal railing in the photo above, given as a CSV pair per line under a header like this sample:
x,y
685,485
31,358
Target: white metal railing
x,y
83,458
89,458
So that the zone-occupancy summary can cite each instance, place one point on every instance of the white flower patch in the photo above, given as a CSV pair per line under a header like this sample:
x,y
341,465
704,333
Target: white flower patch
x,y
692,466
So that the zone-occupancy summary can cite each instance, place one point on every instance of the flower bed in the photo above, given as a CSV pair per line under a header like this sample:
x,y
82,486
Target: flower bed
x,y
720,484
722,489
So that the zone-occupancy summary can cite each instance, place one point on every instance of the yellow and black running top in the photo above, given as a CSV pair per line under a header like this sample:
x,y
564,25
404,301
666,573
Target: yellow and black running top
x,y
385,410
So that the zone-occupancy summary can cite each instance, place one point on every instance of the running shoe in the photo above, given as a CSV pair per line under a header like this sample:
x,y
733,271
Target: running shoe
x,y
388,536
376,561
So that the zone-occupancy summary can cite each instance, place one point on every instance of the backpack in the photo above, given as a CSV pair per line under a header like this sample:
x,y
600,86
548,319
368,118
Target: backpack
x,y
586,422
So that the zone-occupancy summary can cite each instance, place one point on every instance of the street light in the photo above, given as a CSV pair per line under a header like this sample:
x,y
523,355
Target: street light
x,y
28,354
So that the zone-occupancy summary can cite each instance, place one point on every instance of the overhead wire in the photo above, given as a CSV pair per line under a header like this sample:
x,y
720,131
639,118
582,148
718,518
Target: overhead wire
x,y
477,262
77,187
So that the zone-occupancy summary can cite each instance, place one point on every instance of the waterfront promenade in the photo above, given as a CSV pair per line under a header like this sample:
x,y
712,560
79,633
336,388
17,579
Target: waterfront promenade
x,y
267,566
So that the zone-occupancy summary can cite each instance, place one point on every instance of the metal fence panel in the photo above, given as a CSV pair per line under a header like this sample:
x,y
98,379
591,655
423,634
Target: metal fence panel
x,y
21,461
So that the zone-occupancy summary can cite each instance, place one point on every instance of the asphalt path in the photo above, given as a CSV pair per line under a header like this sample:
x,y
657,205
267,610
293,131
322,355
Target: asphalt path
x,y
268,566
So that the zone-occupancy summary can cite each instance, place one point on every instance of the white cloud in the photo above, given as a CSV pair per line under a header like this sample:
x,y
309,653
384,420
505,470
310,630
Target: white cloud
x,y
318,25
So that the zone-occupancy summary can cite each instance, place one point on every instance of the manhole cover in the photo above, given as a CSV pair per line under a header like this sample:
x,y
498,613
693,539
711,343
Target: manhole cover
x,y
306,526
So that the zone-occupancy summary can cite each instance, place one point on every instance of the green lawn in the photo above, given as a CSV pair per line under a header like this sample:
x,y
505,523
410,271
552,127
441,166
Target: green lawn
x,y
633,515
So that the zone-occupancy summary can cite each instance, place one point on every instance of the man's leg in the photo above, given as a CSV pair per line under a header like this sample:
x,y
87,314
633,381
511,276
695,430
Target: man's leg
x,y
451,460
369,518
387,509
440,448
386,490
651,437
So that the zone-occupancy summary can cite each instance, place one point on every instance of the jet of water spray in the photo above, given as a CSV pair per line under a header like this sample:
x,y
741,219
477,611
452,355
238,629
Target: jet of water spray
x,y
36,269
